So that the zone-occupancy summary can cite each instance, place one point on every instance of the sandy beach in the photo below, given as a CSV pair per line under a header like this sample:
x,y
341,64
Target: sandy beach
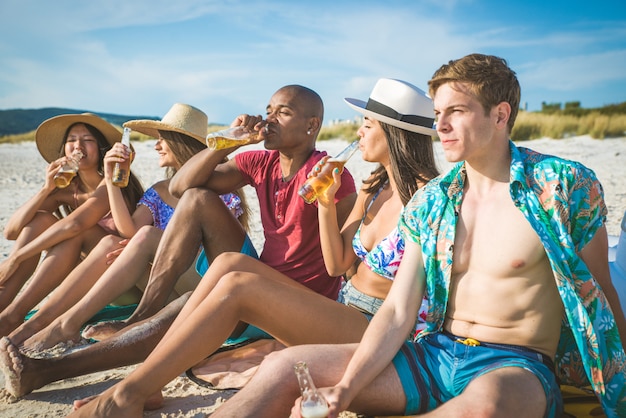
x,y
21,175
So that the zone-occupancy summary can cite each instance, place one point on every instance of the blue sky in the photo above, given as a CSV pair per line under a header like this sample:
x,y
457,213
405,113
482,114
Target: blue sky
x,y
138,57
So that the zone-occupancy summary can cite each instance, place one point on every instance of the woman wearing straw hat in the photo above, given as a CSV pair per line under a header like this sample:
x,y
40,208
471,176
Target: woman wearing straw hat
x,y
36,226
396,133
180,134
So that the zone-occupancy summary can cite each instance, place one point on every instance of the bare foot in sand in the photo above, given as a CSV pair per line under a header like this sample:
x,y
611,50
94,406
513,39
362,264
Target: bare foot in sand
x,y
154,402
108,404
20,371
103,330
48,337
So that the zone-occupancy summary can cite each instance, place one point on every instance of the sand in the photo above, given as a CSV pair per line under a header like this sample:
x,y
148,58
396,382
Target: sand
x,y
21,176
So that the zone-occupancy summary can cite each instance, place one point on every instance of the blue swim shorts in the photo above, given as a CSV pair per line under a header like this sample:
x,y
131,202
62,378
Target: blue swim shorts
x,y
202,263
437,367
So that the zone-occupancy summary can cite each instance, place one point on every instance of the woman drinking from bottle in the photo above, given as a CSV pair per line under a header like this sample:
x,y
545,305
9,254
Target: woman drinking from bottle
x,y
238,290
64,220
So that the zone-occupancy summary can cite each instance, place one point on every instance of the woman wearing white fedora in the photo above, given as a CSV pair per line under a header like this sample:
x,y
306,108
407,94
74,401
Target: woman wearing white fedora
x,y
181,134
396,133
41,225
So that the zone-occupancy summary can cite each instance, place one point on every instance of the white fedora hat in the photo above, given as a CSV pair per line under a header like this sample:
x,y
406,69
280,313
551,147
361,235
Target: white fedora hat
x,y
182,118
400,104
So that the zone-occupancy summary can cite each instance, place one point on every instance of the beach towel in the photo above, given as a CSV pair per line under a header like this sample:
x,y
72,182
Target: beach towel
x,y
232,366
580,403
108,313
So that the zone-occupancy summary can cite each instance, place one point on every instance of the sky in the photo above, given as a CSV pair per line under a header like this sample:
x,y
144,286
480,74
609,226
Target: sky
x,y
227,57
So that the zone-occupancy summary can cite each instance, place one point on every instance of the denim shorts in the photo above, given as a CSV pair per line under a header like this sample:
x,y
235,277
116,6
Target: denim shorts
x,y
350,296
437,367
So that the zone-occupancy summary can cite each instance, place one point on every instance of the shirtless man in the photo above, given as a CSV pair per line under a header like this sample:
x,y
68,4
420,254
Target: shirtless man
x,y
510,247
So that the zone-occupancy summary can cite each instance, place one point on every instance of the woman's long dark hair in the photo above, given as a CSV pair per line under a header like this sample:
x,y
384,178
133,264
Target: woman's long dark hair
x,y
133,192
412,162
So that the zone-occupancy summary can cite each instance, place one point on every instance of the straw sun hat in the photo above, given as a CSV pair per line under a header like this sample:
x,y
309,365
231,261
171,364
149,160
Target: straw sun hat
x,y
400,104
50,135
180,118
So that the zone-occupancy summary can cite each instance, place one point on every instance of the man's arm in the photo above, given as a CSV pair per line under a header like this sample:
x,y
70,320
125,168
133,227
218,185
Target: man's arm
x,y
390,327
596,255
207,169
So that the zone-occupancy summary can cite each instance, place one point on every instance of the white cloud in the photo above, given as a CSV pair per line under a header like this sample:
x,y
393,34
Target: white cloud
x,y
70,54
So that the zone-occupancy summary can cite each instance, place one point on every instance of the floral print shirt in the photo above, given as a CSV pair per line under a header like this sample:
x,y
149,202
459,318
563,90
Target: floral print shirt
x,y
563,201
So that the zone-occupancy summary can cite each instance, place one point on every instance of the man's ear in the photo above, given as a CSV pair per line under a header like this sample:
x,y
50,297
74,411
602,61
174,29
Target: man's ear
x,y
314,124
503,112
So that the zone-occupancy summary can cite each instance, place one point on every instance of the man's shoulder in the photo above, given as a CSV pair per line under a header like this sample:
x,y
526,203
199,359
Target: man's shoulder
x,y
531,157
256,156
540,164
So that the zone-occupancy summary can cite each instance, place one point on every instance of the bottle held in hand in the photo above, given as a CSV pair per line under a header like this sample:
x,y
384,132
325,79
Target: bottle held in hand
x,y
231,137
68,171
318,184
121,171
313,404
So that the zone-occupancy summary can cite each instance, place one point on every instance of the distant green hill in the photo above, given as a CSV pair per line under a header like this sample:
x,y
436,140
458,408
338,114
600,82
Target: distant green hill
x,y
20,121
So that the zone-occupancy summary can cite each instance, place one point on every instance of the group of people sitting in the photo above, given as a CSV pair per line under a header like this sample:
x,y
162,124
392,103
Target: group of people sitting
x,y
414,292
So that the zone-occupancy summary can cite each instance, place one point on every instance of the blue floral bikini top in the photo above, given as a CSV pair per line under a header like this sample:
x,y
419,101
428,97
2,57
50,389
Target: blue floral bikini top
x,y
384,258
162,212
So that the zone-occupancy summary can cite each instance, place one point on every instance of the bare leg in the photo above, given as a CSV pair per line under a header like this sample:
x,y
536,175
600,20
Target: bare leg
x,y
327,364
486,395
70,291
131,265
57,264
200,218
11,286
24,374
264,298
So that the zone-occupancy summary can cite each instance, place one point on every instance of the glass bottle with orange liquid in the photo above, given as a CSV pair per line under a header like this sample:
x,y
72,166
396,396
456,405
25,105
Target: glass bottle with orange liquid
x,y
318,184
231,137
68,171
121,171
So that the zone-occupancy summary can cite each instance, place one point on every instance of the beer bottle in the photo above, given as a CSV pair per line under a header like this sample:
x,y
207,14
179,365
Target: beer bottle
x,y
68,171
121,171
313,404
318,184
231,137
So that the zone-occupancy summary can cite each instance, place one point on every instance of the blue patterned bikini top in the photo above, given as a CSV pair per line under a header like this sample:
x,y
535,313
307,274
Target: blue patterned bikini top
x,y
162,212
385,257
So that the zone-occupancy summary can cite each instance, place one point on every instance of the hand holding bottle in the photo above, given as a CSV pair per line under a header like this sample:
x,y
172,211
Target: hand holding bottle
x,y
245,129
231,137
68,170
325,197
121,170
312,403
319,183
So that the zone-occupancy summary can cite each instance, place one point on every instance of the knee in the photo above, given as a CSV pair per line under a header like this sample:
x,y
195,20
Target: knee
x,y
278,362
228,261
198,197
109,242
147,233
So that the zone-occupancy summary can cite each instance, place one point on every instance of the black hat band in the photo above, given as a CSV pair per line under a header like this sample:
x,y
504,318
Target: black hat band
x,y
384,110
